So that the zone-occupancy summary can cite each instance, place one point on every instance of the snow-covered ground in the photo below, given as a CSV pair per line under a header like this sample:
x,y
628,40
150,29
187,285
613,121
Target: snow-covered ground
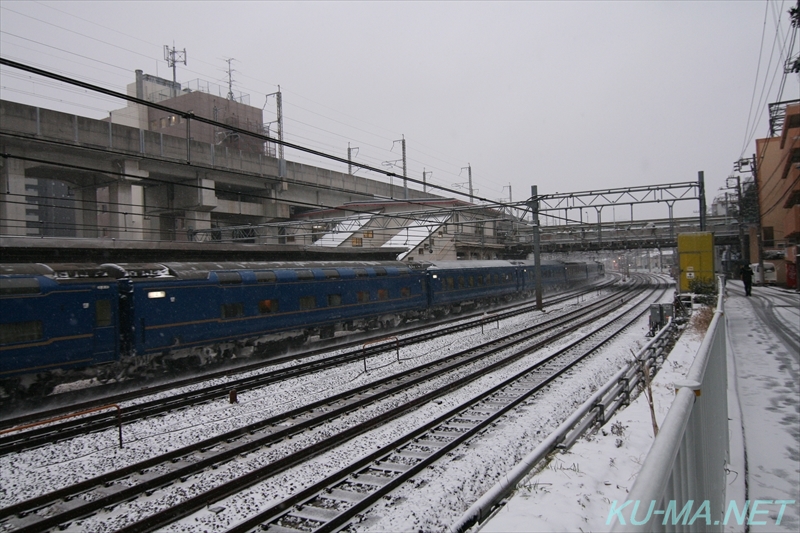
x,y
576,489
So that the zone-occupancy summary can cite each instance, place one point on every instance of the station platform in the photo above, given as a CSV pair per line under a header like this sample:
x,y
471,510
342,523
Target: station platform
x,y
578,488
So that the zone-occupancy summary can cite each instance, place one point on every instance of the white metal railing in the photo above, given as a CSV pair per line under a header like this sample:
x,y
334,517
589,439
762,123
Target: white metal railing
x,y
681,486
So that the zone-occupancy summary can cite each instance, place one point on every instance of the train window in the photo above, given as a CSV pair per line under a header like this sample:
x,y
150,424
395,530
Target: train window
x,y
266,307
362,297
383,294
331,273
479,281
304,274
380,271
308,302
471,281
450,284
229,278
405,292
21,332
496,279
232,310
460,282
334,300
266,277
9,286
102,313
361,272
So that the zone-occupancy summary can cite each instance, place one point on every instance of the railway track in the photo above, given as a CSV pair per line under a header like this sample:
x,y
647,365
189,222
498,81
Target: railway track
x,y
112,489
354,351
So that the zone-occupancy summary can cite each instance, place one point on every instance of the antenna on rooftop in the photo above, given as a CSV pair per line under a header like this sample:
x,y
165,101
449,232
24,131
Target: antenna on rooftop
x,y
173,57
230,78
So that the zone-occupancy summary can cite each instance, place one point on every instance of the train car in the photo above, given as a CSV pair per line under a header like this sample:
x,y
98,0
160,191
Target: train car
x,y
113,321
54,318
456,285
201,312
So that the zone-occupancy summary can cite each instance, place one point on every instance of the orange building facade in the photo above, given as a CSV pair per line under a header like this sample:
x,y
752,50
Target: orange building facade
x,y
778,179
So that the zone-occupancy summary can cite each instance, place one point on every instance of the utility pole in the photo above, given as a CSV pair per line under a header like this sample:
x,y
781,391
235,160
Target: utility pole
x,y
469,173
425,179
533,203
350,153
701,185
405,175
743,255
759,237
742,165
173,57
279,105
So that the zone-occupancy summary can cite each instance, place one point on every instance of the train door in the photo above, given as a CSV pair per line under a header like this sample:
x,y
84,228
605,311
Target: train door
x,y
105,323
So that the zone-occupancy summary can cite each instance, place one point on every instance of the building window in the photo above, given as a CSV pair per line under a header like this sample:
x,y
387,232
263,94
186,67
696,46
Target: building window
x,y
769,237
267,307
368,234
357,242
290,238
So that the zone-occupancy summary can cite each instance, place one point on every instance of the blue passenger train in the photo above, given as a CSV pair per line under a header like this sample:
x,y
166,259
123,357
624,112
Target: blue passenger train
x,y
68,321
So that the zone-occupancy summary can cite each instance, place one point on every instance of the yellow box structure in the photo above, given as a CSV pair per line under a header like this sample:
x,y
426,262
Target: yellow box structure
x,y
695,259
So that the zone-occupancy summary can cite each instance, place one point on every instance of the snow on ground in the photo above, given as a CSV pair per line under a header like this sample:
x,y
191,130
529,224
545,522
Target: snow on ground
x,y
575,491
768,388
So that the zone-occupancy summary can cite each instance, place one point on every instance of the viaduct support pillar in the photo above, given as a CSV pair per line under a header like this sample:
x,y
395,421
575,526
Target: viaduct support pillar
x,y
12,197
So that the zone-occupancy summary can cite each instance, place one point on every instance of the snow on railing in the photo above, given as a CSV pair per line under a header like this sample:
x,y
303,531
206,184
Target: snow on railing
x,y
687,462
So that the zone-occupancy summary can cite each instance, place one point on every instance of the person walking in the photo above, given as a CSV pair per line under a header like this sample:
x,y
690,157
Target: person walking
x,y
747,278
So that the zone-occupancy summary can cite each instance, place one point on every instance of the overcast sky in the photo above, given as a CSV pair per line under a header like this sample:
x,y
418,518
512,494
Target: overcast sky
x,y
569,96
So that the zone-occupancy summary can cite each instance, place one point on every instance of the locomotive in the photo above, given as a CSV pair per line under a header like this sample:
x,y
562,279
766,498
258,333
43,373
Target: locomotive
x,y
62,322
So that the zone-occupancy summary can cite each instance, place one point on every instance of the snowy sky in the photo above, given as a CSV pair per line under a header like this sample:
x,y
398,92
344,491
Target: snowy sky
x,y
570,96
